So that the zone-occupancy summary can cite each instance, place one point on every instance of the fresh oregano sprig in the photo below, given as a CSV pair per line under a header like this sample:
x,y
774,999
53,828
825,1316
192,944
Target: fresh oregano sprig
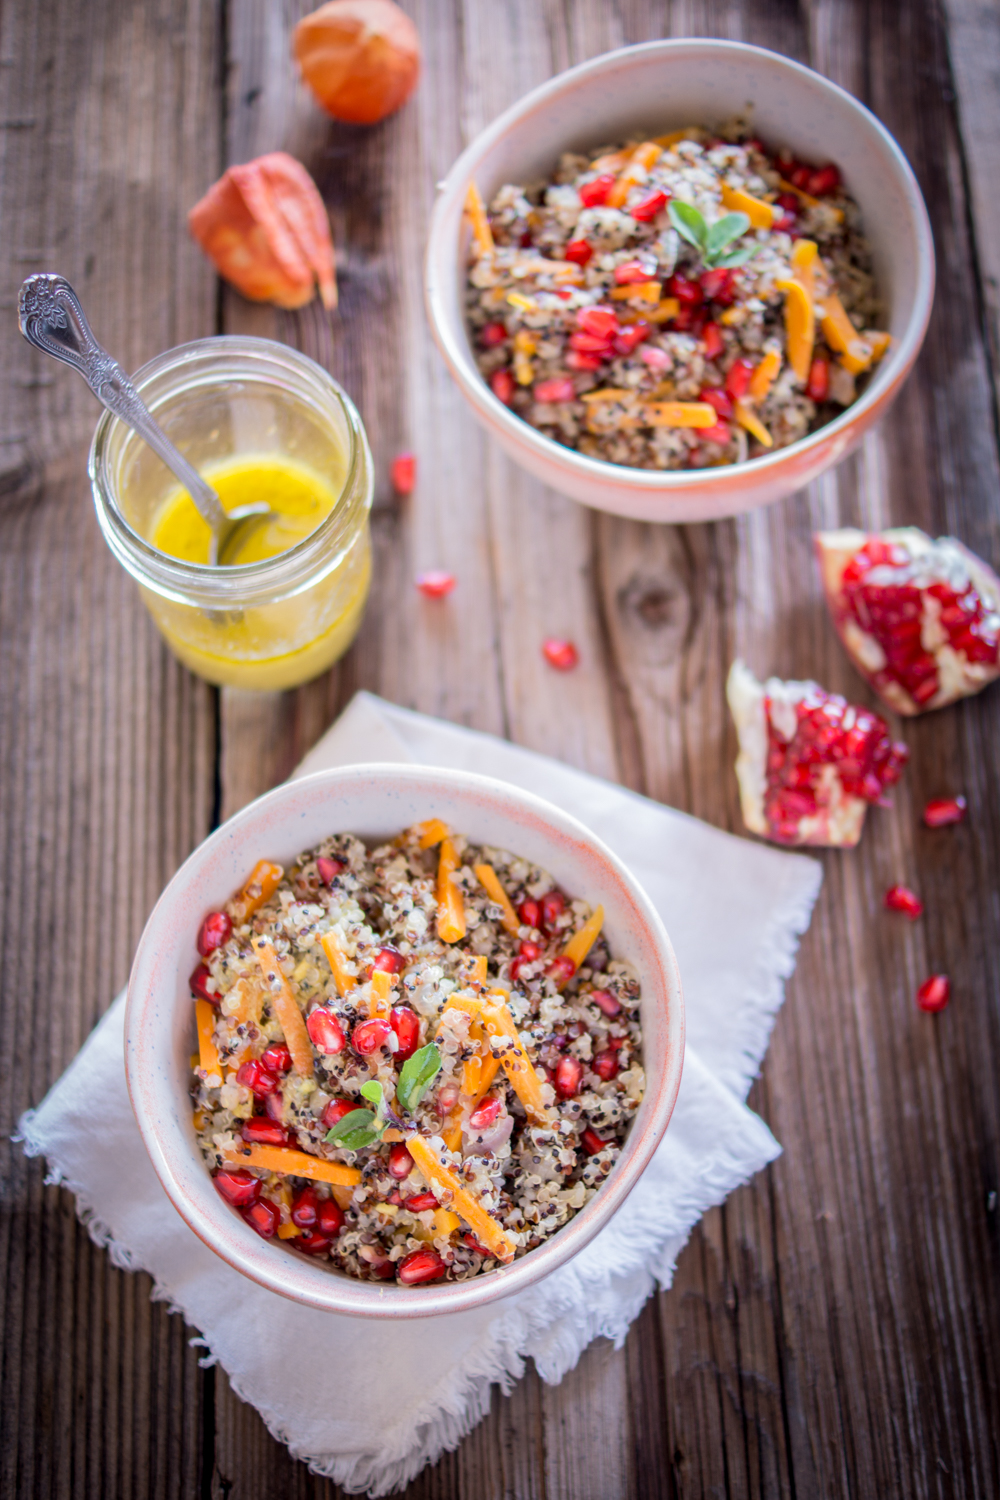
x,y
712,240
417,1075
363,1127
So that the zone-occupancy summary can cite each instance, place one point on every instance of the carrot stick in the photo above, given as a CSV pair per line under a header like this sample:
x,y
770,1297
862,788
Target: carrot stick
x,y
288,1231
476,211
487,877
582,941
748,419
452,1135
379,1005
767,370
294,1163
800,329
451,908
342,976
261,886
483,1225
761,215
499,1025
431,832
208,1057
286,1008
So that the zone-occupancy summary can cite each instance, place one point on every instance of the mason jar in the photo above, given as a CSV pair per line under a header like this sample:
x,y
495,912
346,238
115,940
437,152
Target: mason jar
x,y
266,624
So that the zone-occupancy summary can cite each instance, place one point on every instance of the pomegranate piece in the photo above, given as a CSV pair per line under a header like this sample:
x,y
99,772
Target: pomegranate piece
x,y
370,1036
605,1064
569,1072
329,1218
276,1058
482,1117
529,951
199,983
435,584
656,359
901,898
631,272
311,1243
403,473
580,361
562,655
390,960
274,1106
553,906
712,339
941,811
329,869
400,1162
818,385
934,994
325,1031
263,1216
406,1024
264,1131
595,192
502,386
337,1109
253,1075
549,392
591,1142
599,322
237,1186
305,1207
579,251
530,913
561,969
809,761
420,1266
720,432
823,181
649,207
213,932
418,1203
606,1002
473,1244
738,378
920,619
687,292
629,339
715,396
492,334
717,285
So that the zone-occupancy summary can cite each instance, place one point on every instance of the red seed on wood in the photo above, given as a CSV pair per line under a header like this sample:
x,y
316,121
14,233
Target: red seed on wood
x,y
934,994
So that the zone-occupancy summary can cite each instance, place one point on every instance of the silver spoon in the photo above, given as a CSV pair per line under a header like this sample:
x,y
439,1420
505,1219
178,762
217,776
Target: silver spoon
x,y
51,318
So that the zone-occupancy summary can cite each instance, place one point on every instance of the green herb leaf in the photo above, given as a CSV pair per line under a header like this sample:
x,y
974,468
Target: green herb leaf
x,y
373,1090
354,1131
735,257
417,1075
688,222
724,231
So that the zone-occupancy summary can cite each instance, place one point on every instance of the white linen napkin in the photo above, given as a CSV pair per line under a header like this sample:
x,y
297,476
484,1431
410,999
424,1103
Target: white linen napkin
x,y
734,910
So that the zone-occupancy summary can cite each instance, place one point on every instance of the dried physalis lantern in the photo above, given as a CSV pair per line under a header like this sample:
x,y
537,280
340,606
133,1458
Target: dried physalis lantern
x,y
265,227
361,58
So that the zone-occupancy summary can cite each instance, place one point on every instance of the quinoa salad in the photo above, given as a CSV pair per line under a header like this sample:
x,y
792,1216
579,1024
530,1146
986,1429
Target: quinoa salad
x,y
683,302
415,1061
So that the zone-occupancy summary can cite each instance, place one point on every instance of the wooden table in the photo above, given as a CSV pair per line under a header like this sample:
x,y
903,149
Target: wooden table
x,y
833,1329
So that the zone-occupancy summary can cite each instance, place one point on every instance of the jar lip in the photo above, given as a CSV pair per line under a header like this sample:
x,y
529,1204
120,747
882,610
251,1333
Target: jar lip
x,y
178,578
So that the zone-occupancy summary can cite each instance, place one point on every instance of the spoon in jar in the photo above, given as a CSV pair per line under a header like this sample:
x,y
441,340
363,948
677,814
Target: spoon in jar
x,y
51,318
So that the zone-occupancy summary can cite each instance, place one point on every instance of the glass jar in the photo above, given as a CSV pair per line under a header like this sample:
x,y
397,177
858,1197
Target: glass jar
x,y
268,624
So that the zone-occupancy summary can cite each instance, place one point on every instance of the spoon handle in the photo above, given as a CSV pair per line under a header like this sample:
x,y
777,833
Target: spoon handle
x,y
51,318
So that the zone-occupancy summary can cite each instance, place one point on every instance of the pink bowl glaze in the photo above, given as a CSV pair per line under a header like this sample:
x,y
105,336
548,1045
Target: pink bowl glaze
x,y
377,801
653,88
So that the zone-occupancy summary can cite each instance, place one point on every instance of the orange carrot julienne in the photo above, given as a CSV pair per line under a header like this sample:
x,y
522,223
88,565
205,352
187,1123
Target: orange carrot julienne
x,y
286,1008
431,832
293,1163
342,976
208,1057
483,1225
488,878
582,941
263,882
379,1005
476,211
499,1026
451,907
766,373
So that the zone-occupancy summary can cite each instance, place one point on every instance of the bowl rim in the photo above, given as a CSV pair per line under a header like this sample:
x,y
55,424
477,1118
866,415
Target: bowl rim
x,y
457,353
310,1284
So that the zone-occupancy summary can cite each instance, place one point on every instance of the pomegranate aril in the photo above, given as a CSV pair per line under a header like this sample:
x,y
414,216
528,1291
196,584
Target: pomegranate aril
x,y
325,1031
329,1217
605,1064
406,1024
934,994
591,1142
369,1036
420,1266
254,1076
717,285
305,1207
823,181
311,1243
199,983
552,907
473,1244
818,384
214,931
631,272
713,341
788,202
435,584
738,378
577,361
561,969
390,960
720,432
529,951
715,396
562,655
337,1109
785,223
579,251
649,207
276,1058
403,473
591,343
629,339
530,913
502,386
274,1107
329,869
942,811
601,322
263,1216
492,334
239,1188
687,292
569,1072
400,1161
484,1115
656,359
418,1203
550,392
264,1132
595,192
609,1004
901,898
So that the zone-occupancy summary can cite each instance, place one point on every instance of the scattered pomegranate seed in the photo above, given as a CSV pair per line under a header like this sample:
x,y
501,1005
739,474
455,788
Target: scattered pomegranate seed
x,y
482,1117
825,180
605,1064
329,869
264,1132
305,1207
819,379
473,1244
579,251
276,1058
649,207
390,960
656,359
400,1161
214,931
200,981
325,1031
715,396
569,1072
502,386
237,1186
420,1266
549,392
944,810
579,361
418,1203
595,192
562,655
492,334
738,378
690,320
600,322
591,1142
516,965
712,339
435,584
606,1002
406,1024
934,994
901,898
553,906
403,473
367,1038
329,1217
717,285
263,1216
592,343
687,292
721,432
798,175
629,339
447,1098
561,969
254,1076
531,914
785,222
274,1106
631,272
337,1109
312,1243
788,202
529,951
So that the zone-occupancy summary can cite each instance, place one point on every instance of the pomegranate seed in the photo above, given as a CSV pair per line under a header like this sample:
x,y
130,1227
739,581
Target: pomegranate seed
x,y
825,180
901,898
553,906
329,1217
514,973
336,1110
785,222
329,869
569,1072
264,1132
403,473
483,1117
305,1208
400,1161
418,1203
492,334
715,396
578,251
562,655
819,379
934,994
237,1186
214,931
577,361
717,285
738,378
649,207
200,981
605,1064
531,914
944,810
721,433
561,969
447,1098
788,202
605,1002
712,339
325,1031
435,584
688,293
406,1024
595,192
473,1244
384,1269
591,343
312,1243
274,1105
591,1142
420,1266
600,322
529,951
799,175
390,960
548,392
253,1075
263,1216
690,320
502,386
629,339
370,1036
276,1058
656,359
632,272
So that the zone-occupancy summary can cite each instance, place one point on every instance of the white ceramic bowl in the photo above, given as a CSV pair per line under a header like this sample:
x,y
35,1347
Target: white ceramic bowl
x,y
649,90
376,801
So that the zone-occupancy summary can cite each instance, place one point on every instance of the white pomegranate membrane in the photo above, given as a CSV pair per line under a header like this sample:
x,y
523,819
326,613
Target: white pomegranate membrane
x,y
920,618
525,1174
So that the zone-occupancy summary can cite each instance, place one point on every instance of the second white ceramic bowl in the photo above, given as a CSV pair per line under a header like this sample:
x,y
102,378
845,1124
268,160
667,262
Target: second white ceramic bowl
x,y
648,90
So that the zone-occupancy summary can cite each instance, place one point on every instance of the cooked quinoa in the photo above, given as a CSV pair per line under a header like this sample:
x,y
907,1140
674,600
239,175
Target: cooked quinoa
x,y
501,1072
600,317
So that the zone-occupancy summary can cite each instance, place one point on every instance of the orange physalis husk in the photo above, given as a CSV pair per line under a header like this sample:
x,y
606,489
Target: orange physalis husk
x,y
361,58
265,227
